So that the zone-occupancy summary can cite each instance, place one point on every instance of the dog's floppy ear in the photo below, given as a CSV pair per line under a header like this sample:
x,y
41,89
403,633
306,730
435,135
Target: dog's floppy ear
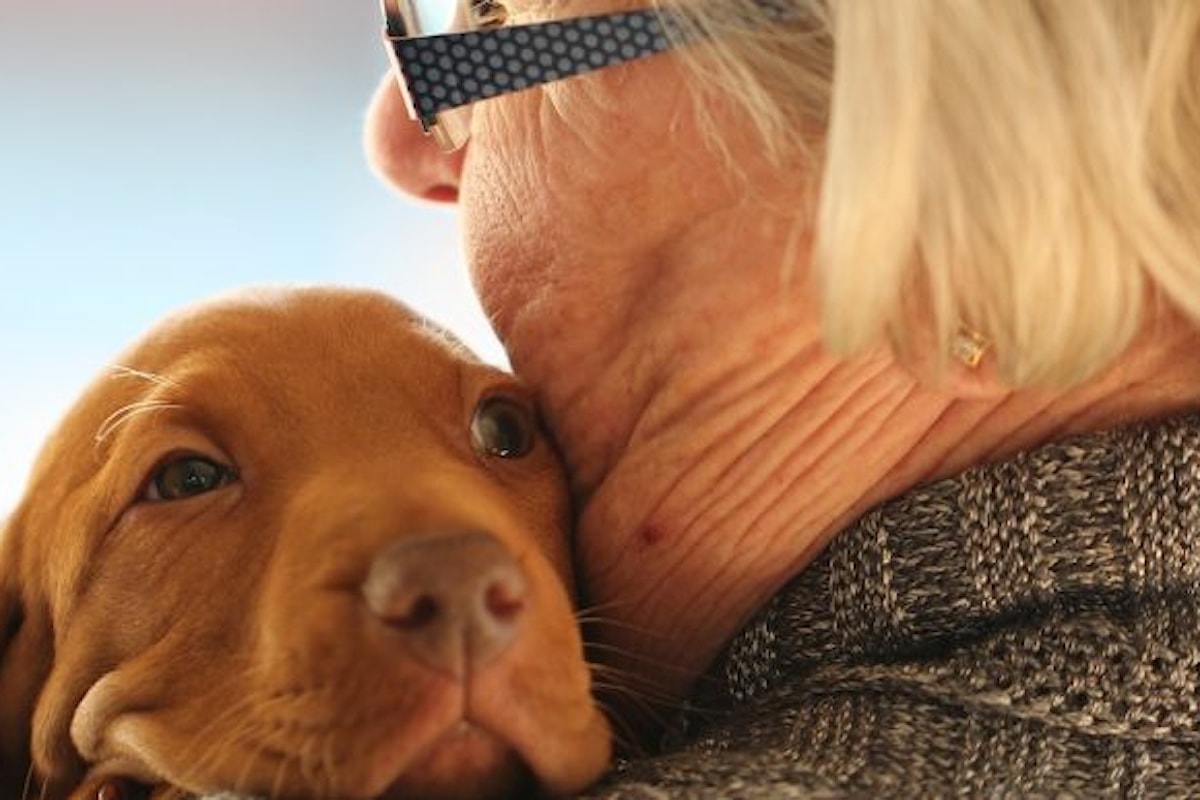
x,y
26,653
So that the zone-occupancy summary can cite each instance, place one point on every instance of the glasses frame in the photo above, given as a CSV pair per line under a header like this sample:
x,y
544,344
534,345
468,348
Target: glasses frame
x,y
443,72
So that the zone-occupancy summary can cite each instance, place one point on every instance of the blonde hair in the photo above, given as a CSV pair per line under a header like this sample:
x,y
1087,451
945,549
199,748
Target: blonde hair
x,y
1028,169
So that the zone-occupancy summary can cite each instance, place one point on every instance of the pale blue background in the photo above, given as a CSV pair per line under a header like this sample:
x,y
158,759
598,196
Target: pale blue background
x,y
154,152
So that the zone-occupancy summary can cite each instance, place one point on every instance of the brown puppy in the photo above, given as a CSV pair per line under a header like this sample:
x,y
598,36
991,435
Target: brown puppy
x,y
299,544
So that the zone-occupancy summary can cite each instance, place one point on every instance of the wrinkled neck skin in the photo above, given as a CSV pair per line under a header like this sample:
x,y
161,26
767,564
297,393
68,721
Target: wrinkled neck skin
x,y
716,446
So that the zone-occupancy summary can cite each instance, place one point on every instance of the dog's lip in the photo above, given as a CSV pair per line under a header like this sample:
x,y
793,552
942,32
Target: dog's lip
x,y
564,758
468,745
465,754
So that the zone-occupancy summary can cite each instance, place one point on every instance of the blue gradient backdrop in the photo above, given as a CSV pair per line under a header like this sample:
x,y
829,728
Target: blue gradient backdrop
x,y
155,152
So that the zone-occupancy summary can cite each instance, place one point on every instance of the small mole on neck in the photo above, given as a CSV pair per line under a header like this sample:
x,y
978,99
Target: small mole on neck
x,y
652,534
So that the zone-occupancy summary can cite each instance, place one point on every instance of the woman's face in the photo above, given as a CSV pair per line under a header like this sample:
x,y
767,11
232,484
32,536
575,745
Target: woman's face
x,y
572,194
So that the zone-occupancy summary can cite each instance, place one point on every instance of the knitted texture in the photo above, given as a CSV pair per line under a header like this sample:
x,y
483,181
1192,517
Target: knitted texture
x,y
1026,629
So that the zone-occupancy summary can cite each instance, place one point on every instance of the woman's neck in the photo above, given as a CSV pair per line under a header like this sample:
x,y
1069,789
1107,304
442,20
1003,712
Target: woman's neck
x,y
715,447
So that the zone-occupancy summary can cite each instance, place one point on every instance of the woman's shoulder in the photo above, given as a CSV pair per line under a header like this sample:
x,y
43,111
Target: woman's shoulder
x,y
1028,627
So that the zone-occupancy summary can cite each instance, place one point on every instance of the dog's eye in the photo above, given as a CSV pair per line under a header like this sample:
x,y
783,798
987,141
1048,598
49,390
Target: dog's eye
x,y
187,476
503,427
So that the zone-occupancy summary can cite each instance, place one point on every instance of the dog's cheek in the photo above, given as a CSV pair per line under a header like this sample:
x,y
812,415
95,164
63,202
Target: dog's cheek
x,y
548,509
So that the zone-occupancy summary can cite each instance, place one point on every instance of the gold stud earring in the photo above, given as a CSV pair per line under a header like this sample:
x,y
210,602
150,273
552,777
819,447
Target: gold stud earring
x,y
968,347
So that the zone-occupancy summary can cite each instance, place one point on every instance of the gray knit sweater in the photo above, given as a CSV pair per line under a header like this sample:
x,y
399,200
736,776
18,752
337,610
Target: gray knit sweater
x,y
1029,628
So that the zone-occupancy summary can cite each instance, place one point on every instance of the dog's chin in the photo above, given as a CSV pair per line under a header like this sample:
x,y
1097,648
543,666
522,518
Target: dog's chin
x,y
465,763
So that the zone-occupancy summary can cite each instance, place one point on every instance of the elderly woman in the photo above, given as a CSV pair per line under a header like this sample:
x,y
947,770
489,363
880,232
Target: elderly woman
x,y
871,334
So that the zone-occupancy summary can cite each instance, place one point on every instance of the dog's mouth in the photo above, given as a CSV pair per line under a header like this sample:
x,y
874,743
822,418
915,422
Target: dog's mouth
x,y
466,761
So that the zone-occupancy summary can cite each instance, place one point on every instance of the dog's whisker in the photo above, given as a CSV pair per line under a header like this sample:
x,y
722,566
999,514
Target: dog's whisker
x,y
630,691
599,617
253,735
309,771
277,782
613,657
594,619
623,736
624,733
620,625
191,752
126,413
601,608
126,371
612,672
642,695
310,760
29,781
44,790
622,689
214,753
612,678
329,761
605,654
243,742
603,616
626,677
218,723
313,763
310,757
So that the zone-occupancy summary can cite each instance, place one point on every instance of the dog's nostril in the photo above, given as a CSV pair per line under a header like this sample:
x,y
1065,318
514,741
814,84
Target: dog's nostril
x,y
504,600
424,611
453,600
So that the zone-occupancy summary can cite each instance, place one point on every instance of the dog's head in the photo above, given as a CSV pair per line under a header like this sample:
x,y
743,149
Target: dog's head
x,y
298,543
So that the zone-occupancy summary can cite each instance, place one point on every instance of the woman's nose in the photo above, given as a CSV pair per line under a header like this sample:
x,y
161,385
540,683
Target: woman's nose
x,y
403,155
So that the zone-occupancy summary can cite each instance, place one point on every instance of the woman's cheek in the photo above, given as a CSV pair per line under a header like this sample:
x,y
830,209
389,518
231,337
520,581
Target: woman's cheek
x,y
505,227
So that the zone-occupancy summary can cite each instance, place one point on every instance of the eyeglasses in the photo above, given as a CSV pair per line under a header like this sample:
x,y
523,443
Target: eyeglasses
x,y
449,54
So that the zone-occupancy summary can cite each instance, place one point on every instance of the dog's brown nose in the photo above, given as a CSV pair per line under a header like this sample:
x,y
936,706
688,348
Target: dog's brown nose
x,y
456,599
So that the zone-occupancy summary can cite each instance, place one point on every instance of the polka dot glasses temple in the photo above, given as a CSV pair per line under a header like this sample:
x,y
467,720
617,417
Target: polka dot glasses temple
x,y
440,75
